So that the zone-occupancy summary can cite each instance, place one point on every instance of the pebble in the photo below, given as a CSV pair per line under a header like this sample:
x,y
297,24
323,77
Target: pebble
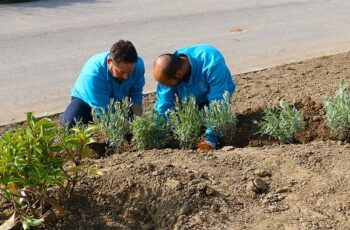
x,y
282,190
262,173
185,210
174,184
227,148
257,185
215,207
158,172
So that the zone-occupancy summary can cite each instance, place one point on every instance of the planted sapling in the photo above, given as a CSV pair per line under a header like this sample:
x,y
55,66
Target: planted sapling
x,y
185,122
281,123
337,109
220,118
114,122
150,131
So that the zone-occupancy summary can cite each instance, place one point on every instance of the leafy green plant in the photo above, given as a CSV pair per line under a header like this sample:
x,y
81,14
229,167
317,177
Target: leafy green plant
x,y
75,143
30,168
220,118
338,111
185,122
114,122
33,165
150,131
281,123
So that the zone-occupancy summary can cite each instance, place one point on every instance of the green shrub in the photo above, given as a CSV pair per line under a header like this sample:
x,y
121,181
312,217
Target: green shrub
x,y
220,118
75,144
185,122
150,131
114,122
281,123
338,111
33,164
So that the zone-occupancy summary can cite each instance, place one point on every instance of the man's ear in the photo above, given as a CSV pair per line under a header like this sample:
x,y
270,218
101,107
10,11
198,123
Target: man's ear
x,y
178,74
109,60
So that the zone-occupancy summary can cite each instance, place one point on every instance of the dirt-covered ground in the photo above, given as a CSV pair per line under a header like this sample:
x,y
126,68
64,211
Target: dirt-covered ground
x,y
250,183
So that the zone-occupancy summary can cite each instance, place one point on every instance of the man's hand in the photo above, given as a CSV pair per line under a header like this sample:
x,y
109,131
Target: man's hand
x,y
136,109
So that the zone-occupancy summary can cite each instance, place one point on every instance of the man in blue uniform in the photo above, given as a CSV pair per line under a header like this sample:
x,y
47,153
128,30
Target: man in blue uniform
x,y
199,71
104,77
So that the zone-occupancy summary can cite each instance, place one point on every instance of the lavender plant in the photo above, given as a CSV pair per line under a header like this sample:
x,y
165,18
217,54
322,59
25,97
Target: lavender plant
x,y
185,122
114,122
220,118
150,131
281,123
337,109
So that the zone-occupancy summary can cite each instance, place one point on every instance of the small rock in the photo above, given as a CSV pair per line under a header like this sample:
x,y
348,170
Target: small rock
x,y
204,175
227,148
150,167
215,207
147,226
158,172
209,191
262,173
184,210
174,184
257,185
192,190
260,184
282,190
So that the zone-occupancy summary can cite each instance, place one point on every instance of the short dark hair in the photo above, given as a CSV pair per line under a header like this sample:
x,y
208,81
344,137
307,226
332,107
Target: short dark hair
x,y
123,51
172,66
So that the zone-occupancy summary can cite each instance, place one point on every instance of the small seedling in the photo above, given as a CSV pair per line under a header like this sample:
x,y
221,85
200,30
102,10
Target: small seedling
x,y
114,122
150,131
185,122
220,118
338,111
281,123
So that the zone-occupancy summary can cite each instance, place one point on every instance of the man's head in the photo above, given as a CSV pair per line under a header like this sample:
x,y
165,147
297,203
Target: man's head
x,y
122,59
169,69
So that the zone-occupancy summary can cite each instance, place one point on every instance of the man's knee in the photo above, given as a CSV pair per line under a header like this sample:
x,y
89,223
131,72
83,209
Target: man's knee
x,y
77,110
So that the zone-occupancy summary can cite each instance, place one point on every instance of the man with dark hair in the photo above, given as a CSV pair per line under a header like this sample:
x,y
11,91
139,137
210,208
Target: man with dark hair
x,y
104,77
199,71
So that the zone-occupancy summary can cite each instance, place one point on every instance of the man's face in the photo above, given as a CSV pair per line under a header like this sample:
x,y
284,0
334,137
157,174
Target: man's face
x,y
120,70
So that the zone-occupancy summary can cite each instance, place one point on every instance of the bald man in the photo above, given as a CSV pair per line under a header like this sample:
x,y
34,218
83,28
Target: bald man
x,y
199,71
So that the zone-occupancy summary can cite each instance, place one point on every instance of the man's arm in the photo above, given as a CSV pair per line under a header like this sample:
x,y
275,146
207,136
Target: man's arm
x,y
220,80
165,98
137,87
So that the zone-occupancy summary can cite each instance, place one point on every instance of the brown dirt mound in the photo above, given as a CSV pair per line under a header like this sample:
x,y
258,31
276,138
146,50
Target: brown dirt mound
x,y
142,196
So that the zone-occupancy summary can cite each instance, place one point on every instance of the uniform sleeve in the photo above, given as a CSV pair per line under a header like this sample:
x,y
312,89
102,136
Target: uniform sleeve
x,y
220,80
165,98
97,91
137,88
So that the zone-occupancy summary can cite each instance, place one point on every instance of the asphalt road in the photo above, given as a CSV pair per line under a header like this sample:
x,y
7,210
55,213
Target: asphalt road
x,y
44,44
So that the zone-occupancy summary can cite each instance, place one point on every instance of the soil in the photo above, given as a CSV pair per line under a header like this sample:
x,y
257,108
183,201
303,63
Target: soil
x,y
251,183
